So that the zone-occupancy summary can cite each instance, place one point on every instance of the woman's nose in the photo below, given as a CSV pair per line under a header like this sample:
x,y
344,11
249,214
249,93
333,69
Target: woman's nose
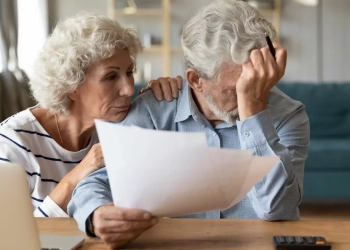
x,y
127,88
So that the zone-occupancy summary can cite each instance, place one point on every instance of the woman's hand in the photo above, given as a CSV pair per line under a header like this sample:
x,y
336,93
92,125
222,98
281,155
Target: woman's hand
x,y
118,226
91,162
62,193
164,87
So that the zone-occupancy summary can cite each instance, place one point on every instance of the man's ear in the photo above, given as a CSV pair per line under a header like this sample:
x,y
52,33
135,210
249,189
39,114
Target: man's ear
x,y
194,80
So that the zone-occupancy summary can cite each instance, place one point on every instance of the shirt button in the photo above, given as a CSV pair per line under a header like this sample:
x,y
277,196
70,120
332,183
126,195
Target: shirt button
x,y
246,134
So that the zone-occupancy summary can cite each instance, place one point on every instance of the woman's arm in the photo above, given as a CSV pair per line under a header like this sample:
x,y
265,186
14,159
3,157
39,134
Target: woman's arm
x,y
14,150
62,194
164,87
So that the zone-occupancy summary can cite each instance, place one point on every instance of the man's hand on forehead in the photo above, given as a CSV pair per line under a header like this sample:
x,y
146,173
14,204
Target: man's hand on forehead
x,y
259,75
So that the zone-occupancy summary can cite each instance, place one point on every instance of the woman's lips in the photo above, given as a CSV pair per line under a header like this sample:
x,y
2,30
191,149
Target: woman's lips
x,y
122,108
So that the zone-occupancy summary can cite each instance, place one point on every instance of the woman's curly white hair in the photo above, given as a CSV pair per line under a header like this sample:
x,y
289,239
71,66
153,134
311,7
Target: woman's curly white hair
x,y
74,45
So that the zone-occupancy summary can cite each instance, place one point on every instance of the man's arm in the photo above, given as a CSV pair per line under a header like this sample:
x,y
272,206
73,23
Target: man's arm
x,y
116,226
89,194
94,191
278,195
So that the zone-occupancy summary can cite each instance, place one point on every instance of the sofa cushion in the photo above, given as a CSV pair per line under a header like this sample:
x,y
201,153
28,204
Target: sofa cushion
x,y
329,155
327,105
327,185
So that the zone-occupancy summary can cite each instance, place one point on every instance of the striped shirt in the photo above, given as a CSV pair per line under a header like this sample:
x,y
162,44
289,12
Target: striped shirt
x,y
25,142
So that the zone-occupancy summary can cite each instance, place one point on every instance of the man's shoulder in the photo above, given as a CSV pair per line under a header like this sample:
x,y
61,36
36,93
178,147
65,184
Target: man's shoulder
x,y
281,105
146,106
148,100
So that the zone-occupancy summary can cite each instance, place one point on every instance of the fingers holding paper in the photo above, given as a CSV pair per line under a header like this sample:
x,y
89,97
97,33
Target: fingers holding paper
x,y
118,226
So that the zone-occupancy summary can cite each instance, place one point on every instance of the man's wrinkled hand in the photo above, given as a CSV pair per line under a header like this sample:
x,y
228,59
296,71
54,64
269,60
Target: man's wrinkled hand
x,y
118,226
259,75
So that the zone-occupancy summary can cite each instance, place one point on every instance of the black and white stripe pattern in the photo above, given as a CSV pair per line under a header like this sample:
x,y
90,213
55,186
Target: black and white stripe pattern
x,y
24,141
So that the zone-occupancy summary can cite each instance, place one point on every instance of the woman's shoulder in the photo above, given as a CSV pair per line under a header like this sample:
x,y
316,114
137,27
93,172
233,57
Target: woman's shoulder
x,y
23,120
20,128
12,140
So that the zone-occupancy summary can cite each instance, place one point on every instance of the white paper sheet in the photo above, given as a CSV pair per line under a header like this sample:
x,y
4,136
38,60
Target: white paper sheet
x,y
175,173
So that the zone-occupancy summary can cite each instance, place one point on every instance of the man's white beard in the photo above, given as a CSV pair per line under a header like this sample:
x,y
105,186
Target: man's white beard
x,y
228,117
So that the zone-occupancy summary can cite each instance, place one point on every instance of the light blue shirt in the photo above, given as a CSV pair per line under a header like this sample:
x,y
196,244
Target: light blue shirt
x,y
282,130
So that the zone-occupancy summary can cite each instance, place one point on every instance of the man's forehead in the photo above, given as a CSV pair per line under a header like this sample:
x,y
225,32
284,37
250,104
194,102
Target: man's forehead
x,y
231,69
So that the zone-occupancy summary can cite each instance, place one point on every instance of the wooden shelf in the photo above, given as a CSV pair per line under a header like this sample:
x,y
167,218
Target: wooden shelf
x,y
154,48
267,12
138,12
176,49
159,48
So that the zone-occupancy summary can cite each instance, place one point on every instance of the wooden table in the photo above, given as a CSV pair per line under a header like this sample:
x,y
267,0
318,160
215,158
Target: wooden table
x,y
213,234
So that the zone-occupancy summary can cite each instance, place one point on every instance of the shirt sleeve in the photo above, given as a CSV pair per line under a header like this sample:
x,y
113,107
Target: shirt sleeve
x,y
278,195
13,150
140,114
49,208
89,194
94,191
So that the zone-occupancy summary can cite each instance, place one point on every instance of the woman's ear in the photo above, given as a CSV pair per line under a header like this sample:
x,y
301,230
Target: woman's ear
x,y
194,80
74,95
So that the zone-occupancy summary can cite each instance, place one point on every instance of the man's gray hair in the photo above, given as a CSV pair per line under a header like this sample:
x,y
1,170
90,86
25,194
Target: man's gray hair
x,y
225,31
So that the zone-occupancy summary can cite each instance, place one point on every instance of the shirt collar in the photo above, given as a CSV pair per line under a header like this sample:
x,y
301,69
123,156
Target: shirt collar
x,y
187,107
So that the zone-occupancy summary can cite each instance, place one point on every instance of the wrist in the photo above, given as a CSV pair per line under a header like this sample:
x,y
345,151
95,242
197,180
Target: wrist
x,y
248,107
76,175
90,229
70,181
62,194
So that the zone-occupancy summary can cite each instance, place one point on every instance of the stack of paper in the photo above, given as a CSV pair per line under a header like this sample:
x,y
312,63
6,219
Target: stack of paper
x,y
175,173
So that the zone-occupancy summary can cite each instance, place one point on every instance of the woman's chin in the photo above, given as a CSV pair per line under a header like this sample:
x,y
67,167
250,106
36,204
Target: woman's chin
x,y
118,117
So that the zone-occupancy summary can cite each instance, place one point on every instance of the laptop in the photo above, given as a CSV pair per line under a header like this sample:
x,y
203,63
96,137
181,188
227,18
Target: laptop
x,y
17,224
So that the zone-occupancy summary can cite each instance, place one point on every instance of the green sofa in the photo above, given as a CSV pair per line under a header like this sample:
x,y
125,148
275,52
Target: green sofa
x,y
327,169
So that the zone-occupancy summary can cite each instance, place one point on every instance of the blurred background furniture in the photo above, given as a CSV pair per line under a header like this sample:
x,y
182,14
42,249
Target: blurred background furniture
x,y
327,169
14,90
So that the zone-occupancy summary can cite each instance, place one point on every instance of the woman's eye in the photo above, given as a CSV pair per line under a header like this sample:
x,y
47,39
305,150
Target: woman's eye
x,y
110,78
130,73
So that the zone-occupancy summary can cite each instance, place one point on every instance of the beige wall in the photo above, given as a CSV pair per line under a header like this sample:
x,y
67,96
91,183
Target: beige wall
x,y
61,9
316,37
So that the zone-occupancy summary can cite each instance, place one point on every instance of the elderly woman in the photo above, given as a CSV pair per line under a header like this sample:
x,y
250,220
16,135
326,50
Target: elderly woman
x,y
84,72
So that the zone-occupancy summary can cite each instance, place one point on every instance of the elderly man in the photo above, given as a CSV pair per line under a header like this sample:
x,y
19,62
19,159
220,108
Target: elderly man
x,y
229,95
